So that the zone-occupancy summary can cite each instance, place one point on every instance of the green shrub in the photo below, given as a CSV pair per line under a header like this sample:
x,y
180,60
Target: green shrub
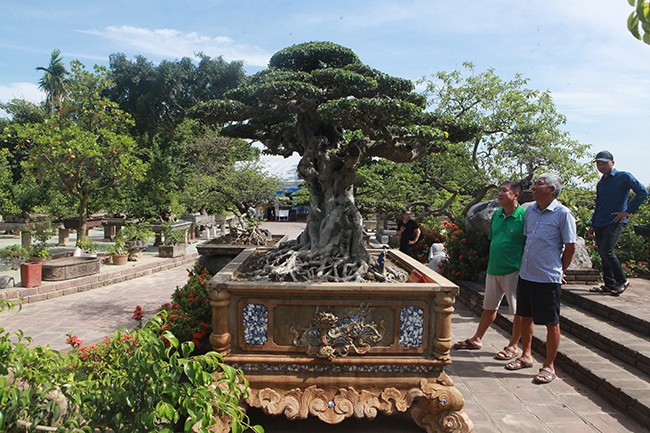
x,y
190,314
467,251
143,380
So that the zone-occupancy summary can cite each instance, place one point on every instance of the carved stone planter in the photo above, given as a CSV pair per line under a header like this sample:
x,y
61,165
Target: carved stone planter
x,y
215,254
341,350
170,251
69,267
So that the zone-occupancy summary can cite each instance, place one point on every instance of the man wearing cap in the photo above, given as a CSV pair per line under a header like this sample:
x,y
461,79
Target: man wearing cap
x,y
610,217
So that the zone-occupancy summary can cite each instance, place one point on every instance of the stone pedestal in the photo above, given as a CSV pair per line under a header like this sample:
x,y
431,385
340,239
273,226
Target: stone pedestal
x,y
159,230
64,235
201,224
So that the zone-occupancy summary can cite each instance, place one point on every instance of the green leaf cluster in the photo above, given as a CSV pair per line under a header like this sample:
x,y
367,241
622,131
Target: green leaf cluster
x,y
638,22
140,380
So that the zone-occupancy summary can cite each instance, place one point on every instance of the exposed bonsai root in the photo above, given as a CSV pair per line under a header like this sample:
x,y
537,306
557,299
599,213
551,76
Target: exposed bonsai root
x,y
290,263
253,235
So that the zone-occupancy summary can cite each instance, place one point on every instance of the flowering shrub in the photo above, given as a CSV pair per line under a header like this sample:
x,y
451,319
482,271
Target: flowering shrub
x,y
138,315
427,237
131,382
190,314
468,253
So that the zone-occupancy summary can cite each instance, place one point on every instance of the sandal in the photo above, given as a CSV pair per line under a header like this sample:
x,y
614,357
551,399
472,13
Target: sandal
x,y
545,375
618,291
601,289
518,364
506,354
467,344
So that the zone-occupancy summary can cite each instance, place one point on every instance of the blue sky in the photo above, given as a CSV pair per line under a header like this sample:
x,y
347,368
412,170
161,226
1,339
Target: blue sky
x,y
598,74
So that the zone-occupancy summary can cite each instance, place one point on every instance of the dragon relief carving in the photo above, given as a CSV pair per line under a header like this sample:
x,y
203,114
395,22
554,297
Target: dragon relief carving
x,y
329,337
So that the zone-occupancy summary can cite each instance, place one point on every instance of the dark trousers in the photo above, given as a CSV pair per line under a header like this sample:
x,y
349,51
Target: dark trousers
x,y
606,239
407,249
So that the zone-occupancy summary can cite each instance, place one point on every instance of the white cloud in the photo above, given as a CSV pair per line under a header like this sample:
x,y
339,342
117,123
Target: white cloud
x,y
28,91
173,43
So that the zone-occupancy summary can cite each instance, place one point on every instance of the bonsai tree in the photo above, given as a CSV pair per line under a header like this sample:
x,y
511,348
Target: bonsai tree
x,y
88,246
319,100
14,255
173,237
134,237
40,249
135,233
119,248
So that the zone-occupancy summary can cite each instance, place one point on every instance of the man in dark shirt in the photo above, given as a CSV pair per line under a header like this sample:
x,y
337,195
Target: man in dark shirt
x,y
408,232
610,217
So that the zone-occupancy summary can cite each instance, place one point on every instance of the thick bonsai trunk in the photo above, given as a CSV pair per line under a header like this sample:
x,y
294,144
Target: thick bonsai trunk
x,y
332,247
334,225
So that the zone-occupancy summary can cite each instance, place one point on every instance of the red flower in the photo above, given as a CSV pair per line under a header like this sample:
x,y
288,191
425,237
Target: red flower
x,y
138,314
73,341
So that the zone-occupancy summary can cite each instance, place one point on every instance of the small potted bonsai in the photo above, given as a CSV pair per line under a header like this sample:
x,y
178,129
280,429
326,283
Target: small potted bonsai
x,y
174,244
17,257
14,256
135,237
119,252
40,251
88,248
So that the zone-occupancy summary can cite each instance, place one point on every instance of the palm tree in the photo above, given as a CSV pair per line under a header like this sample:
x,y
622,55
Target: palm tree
x,y
53,81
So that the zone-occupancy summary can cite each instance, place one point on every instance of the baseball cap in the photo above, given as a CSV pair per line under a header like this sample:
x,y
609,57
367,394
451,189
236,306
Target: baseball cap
x,y
604,156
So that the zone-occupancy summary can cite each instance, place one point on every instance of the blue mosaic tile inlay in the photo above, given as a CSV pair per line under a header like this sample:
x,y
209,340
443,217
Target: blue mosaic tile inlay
x,y
256,324
411,327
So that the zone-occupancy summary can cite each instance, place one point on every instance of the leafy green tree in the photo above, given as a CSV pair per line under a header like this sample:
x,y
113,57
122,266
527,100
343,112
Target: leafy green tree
x,y
158,96
23,111
222,173
53,82
319,100
638,23
516,134
386,188
87,149
8,204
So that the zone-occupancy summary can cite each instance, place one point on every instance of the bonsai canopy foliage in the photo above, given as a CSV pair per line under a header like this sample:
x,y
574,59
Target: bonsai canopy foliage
x,y
319,100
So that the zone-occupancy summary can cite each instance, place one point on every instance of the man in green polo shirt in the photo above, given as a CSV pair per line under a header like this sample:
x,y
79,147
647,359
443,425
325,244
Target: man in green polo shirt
x,y
506,248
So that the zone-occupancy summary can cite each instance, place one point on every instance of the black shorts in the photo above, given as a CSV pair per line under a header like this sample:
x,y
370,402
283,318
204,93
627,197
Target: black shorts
x,y
541,301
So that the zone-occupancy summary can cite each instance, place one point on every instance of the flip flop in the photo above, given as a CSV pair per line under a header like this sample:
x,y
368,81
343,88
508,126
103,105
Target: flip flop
x,y
506,354
467,344
601,289
545,375
619,291
518,364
